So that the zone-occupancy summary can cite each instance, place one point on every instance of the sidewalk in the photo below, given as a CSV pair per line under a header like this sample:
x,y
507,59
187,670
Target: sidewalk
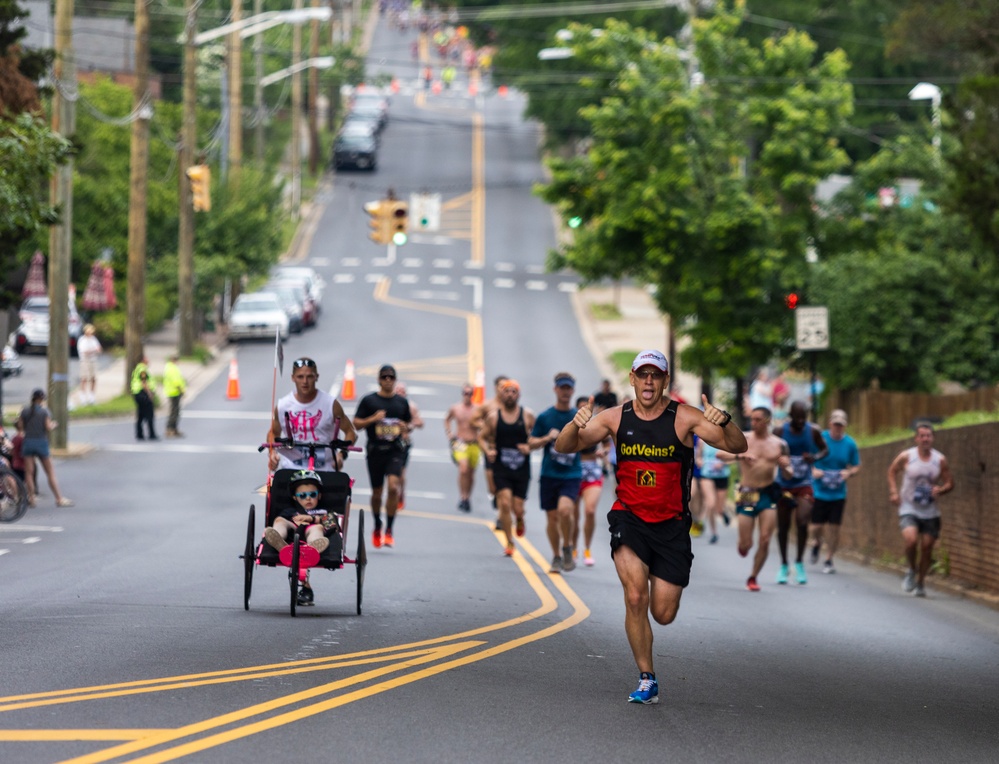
x,y
640,327
158,346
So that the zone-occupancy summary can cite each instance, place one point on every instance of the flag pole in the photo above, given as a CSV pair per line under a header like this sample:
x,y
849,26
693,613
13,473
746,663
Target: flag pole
x,y
278,368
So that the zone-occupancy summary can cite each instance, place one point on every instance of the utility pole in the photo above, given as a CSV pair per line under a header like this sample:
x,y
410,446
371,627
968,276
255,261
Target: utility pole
x,y
236,92
138,181
313,96
188,141
61,234
258,89
296,116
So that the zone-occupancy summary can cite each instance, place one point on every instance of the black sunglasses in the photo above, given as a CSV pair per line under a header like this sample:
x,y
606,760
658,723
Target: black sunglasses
x,y
304,362
387,376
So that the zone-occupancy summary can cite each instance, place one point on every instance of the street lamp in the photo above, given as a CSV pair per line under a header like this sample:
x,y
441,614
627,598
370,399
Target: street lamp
x,y
926,91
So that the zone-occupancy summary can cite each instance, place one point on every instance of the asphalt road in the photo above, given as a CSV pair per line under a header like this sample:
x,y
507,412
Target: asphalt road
x,y
122,619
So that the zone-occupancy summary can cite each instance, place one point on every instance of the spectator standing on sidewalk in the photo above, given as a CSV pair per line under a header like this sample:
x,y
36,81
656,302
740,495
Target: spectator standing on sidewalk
x,y
142,394
36,423
89,349
174,386
926,476
829,476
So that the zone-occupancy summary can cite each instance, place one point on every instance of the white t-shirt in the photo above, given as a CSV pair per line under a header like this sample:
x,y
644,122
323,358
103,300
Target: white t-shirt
x,y
88,347
917,485
309,422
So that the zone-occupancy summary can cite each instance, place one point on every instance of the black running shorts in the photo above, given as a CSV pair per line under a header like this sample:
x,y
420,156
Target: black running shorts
x,y
664,547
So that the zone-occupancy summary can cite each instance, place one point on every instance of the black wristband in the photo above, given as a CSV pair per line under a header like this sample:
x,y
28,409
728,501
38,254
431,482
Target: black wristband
x,y
726,420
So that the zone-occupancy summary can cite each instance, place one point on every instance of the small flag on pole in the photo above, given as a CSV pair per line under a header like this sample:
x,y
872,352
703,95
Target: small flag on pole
x,y
278,353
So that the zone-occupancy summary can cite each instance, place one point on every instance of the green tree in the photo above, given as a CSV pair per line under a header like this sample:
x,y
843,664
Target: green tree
x,y
705,192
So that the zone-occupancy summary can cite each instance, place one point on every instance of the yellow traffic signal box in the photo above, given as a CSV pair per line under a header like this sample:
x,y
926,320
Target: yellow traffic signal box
x,y
379,223
200,176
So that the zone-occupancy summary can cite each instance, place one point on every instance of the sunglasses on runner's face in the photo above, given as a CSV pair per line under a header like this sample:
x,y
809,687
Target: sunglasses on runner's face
x,y
647,373
304,362
387,376
307,495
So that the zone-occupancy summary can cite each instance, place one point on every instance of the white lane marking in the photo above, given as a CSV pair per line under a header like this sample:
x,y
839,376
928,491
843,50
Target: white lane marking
x,y
343,278
568,286
504,283
535,269
31,528
350,262
31,540
408,278
373,278
476,283
474,265
176,448
537,286
434,496
426,294
505,267
440,280
4,551
319,261
412,262
255,415
443,262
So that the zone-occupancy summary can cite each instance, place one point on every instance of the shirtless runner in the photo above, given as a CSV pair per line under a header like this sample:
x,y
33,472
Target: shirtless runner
x,y
462,436
757,492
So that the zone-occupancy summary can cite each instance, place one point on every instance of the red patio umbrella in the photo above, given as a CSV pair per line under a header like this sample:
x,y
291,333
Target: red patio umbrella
x,y
99,294
34,285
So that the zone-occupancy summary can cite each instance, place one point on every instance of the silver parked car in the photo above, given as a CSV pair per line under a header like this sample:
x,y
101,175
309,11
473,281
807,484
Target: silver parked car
x,y
257,316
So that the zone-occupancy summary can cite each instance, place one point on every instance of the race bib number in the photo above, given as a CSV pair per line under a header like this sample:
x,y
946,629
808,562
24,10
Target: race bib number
x,y
800,469
922,493
389,429
563,460
511,458
831,480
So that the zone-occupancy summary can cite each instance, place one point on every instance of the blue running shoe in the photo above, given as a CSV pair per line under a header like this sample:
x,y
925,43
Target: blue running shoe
x,y
799,573
647,692
782,575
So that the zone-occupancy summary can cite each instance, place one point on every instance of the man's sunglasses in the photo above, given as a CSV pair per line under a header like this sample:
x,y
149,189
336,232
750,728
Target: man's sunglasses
x,y
307,495
387,376
304,362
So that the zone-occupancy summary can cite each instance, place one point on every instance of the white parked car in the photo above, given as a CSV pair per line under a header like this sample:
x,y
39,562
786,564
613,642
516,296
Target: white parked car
x,y
257,316
33,331
305,273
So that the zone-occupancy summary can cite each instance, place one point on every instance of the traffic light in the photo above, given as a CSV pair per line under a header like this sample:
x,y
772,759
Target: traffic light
x,y
575,221
200,176
399,222
379,223
791,300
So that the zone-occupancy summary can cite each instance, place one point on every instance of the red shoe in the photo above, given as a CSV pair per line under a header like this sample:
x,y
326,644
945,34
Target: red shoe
x,y
752,585
520,526
388,538
402,502
376,538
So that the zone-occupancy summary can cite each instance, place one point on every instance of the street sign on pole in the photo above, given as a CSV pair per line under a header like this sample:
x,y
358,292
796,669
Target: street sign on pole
x,y
425,212
811,328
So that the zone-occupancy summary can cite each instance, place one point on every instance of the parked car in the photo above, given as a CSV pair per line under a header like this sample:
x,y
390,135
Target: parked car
x,y
33,331
12,366
316,283
355,150
291,306
257,316
303,291
371,98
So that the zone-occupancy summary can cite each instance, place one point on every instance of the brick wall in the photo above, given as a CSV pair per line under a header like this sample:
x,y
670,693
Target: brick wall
x,y
969,538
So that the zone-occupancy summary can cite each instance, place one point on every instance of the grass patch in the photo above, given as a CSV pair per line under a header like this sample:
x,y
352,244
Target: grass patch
x,y
622,359
123,405
605,311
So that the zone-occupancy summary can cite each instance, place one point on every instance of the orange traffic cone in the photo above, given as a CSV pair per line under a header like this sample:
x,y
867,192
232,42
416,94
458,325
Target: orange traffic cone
x,y
232,393
347,391
479,393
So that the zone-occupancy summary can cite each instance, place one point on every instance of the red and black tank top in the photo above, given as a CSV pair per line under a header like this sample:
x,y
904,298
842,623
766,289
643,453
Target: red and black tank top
x,y
654,467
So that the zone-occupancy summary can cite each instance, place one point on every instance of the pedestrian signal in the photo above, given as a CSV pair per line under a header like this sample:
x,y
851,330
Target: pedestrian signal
x,y
200,176
791,300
